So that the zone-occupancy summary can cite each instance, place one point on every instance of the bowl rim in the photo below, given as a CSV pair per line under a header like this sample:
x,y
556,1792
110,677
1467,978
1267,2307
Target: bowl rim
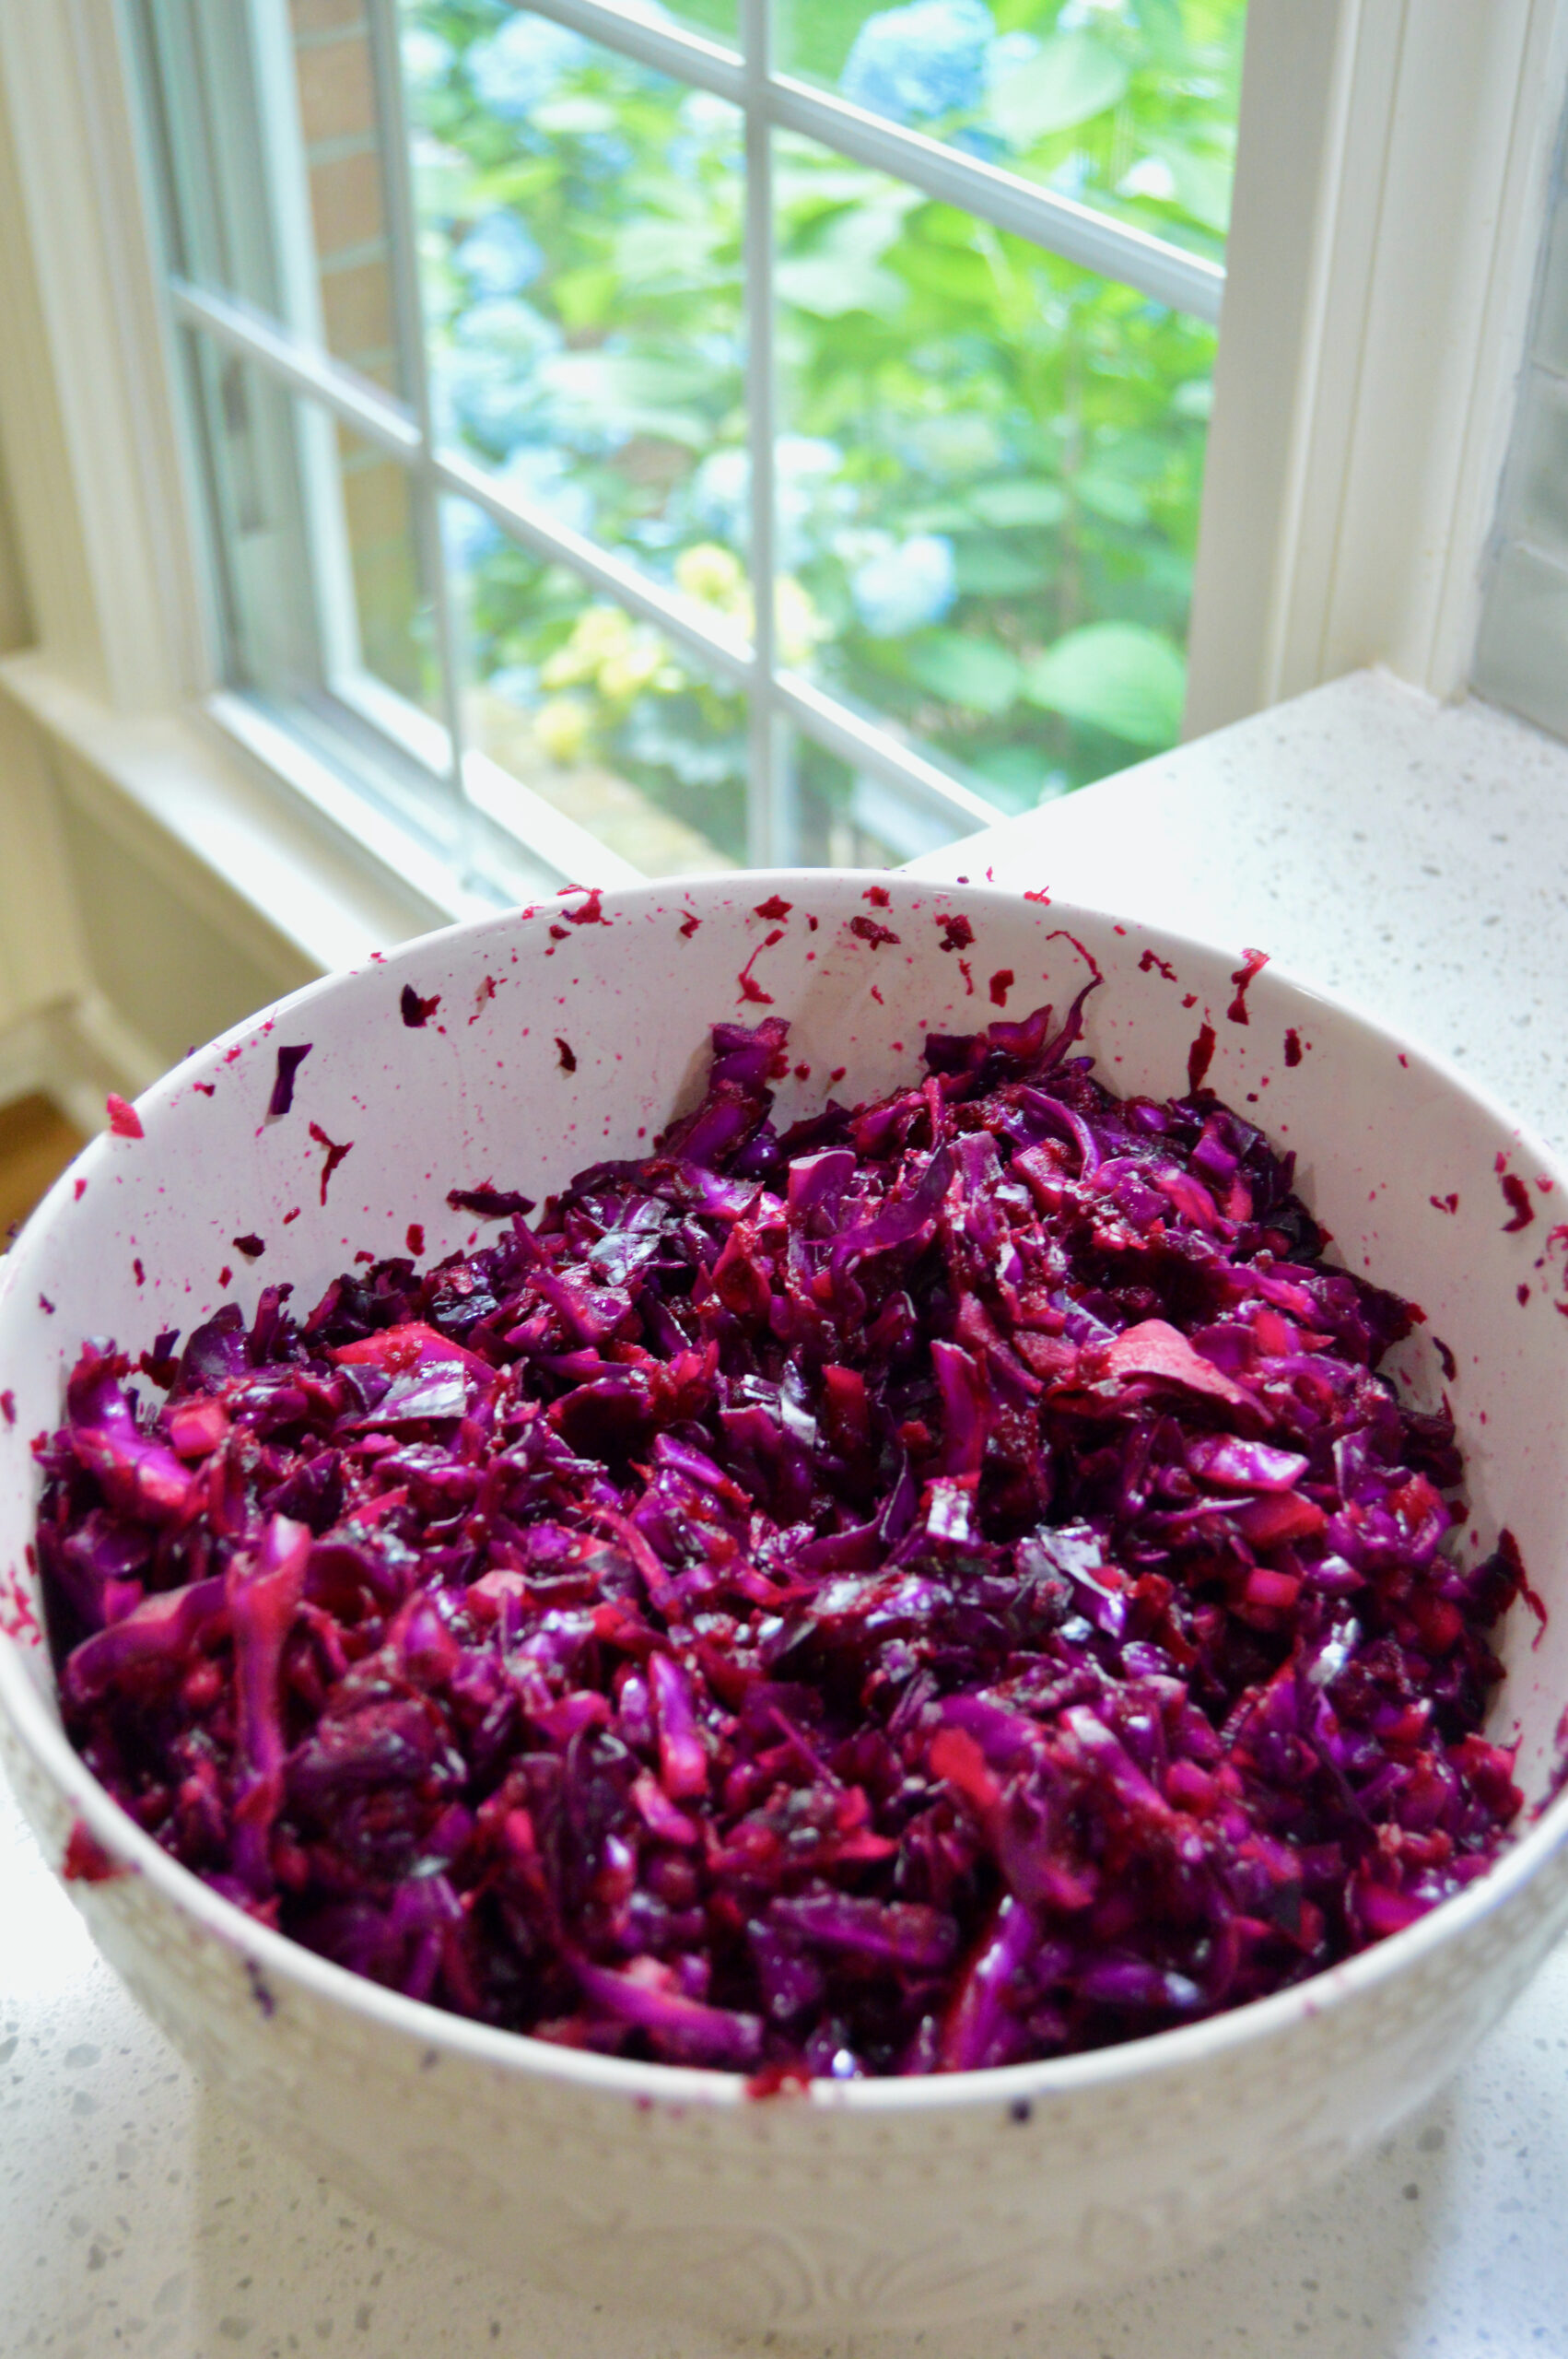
x,y
681,2088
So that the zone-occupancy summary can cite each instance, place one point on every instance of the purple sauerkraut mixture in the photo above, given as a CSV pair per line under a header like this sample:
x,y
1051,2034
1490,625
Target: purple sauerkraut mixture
x,y
941,1587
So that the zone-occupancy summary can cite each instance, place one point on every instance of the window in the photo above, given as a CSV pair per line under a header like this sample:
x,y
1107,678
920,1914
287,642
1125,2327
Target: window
x,y
518,347
1390,181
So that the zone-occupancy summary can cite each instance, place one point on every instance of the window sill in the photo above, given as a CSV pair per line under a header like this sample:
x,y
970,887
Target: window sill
x,y
1408,855
261,838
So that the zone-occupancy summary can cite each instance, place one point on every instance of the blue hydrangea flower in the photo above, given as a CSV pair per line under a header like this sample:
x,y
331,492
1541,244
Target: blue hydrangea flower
x,y
801,456
603,156
979,139
809,499
505,323
538,472
1078,14
922,60
1008,50
500,256
427,58
719,490
1005,54
906,586
486,384
708,127
468,535
711,120
481,395
516,70
518,684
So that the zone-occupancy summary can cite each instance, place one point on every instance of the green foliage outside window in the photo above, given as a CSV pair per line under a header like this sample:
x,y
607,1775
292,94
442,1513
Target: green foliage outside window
x,y
989,462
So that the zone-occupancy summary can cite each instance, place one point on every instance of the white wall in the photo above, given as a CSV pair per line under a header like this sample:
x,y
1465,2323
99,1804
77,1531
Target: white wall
x,y
109,970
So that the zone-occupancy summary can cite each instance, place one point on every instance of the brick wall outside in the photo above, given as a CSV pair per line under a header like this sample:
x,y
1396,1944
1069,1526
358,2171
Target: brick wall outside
x,y
338,117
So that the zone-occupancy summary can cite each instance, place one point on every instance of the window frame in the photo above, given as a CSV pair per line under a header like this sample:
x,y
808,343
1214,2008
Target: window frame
x,y
288,347
1391,192
1293,584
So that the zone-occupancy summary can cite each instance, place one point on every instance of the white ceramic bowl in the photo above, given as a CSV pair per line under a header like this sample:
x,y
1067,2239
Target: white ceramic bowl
x,y
876,2203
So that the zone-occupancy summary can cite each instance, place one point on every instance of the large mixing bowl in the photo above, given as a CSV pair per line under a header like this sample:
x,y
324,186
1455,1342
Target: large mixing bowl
x,y
880,2202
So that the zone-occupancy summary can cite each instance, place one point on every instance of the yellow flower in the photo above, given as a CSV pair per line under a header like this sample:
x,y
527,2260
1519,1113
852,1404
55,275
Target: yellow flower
x,y
798,625
714,575
631,667
561,727
599,634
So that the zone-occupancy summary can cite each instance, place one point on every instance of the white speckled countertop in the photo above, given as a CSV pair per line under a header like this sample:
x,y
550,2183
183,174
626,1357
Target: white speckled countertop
x,y
1413,859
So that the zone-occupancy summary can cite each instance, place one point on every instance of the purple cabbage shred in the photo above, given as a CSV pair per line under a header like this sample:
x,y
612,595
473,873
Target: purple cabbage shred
x,y
288,1063
944,1585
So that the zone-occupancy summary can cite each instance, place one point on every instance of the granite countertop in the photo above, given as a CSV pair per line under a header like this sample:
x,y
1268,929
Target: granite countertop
x,y
1411,858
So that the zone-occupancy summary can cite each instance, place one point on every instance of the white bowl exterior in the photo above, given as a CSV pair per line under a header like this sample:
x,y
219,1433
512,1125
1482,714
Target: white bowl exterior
x,y
895,2203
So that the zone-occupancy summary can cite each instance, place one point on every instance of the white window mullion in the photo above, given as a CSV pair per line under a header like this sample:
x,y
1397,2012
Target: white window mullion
x,y
302,367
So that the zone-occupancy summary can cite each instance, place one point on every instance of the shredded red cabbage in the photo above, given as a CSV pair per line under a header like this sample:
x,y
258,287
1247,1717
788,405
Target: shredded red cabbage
x,y
942,1587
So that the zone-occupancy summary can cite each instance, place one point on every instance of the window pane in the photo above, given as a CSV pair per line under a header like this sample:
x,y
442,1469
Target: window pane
x,y
323,583
392,631
1128,108
272,612
272,145
847,818
987,485
597,712
720,19
580,225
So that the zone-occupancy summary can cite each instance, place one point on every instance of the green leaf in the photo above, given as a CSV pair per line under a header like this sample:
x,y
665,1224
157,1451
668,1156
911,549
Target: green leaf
x,y
511,183
864,233
611,382
1111,495
634,393
1202,183
1070,79
656,253
941,516
1194,399
585,298
1019,776
1117,677
819,187
828,288
446,185
988,569
839,269
1024,500
961,670
958,277
573,116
